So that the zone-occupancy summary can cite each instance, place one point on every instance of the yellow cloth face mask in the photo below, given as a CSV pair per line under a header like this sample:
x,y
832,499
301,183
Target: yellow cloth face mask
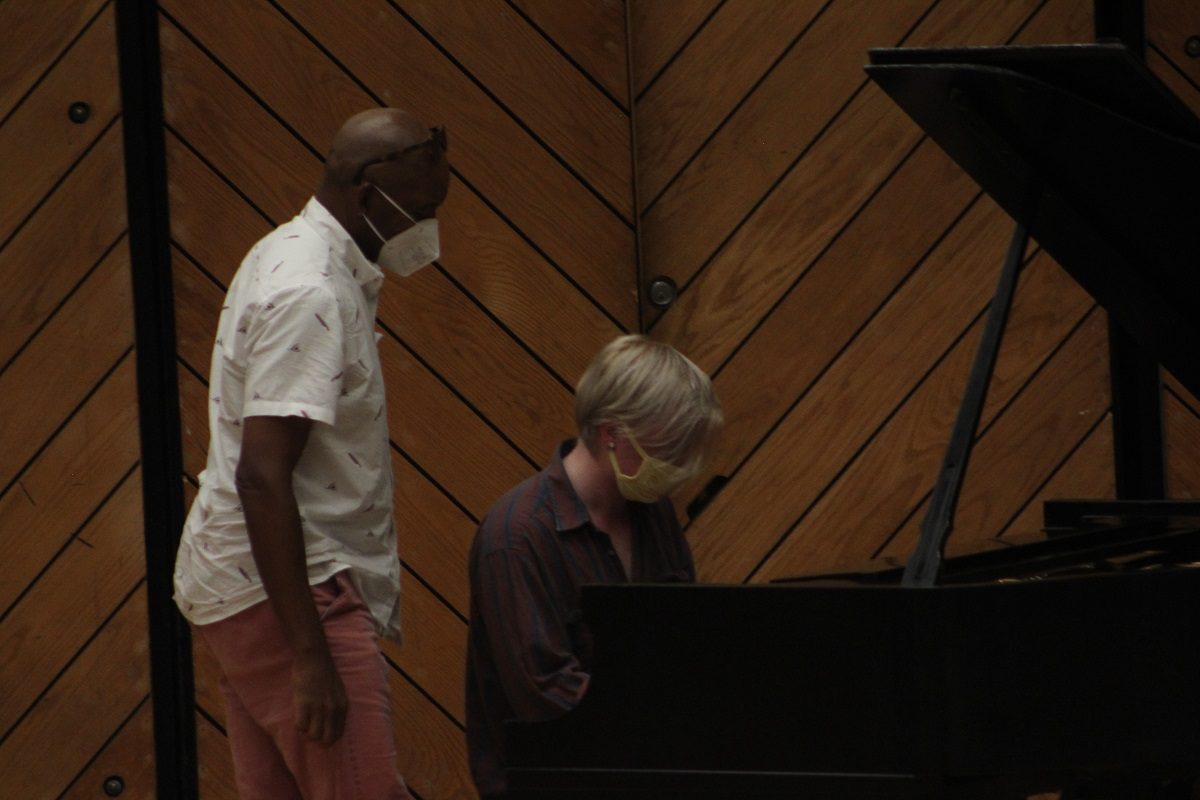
x,y
653,480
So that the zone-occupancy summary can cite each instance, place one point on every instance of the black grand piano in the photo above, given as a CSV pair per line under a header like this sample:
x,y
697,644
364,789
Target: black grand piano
x,y
1070,663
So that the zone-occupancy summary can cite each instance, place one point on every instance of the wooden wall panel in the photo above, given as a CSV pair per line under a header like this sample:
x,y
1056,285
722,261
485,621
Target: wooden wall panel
x,y
876,492
77,348
724,304
106,558
33,34
41,512
1169,25
81,709
129,754
689,102
658,32
73,627
38,133
561,107
593,36
40,265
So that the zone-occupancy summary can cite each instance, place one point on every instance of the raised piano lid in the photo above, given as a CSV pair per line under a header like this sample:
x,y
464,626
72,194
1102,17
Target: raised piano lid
x,y
1086,146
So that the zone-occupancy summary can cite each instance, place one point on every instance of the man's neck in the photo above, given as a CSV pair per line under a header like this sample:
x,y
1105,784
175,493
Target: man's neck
x,y
592,478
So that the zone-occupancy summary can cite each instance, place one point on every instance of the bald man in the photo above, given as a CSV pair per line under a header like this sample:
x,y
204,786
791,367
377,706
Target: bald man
x,y
287,568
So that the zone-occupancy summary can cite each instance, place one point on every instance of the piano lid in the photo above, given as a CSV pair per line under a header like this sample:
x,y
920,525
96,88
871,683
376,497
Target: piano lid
x,y
1097,158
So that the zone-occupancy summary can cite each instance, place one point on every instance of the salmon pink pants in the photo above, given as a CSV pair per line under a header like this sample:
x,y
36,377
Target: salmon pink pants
x,y
271,759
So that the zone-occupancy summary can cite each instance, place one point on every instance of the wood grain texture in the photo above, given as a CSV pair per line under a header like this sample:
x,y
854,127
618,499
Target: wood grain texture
x,y
130,755
80,588
33,34
758,144
464,455
569,224
193,420
215,116
1171,383
435,641
724,303
592,34
838,320
430,748
434,534
71,722
856,395
504,273
1087,473
475,356
40,265
197,297
882,484
778,241
836,296
216,762
39,131
198,196
658,29
1174,79
707,81
1027,445
81,343
1169,23
1182,447
527,76
70,479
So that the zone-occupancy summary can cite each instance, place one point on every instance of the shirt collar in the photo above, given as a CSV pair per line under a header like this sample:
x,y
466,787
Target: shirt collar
x,y
342,246
569,511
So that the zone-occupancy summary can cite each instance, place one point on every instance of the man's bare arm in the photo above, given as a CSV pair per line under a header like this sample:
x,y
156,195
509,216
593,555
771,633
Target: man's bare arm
x,y
271,448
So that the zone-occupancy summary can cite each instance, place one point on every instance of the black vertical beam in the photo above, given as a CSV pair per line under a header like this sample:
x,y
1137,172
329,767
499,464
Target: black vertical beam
x,y
158,394
925,563
1137,418
1124,21
1136,388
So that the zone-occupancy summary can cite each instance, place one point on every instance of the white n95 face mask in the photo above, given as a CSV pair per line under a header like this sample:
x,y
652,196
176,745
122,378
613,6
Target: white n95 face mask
x,y
411,249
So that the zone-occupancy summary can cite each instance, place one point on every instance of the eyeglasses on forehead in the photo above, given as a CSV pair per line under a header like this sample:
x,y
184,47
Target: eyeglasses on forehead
x,y
437,138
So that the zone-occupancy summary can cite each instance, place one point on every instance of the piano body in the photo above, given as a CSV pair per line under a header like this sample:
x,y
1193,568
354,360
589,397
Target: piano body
x,y
1001,674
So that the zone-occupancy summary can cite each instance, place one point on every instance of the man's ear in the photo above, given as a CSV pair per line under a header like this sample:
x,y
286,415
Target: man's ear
x,y
606,435
360,195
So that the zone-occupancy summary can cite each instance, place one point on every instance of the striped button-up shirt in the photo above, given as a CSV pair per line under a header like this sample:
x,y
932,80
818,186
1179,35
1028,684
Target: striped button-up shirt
x,y
528,652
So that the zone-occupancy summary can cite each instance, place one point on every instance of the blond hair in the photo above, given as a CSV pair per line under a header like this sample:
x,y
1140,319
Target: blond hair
x,y
654,392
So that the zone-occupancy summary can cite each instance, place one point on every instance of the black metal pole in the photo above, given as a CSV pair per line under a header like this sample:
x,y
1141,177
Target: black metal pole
x,y
925,563
1123,21
158,394
1136,387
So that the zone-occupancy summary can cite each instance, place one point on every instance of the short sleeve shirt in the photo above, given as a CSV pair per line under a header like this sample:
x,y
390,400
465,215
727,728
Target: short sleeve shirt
x,y
296,337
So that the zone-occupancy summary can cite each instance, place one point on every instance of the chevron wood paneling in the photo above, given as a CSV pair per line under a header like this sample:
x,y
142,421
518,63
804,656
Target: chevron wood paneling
x,y
834,268
74,669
